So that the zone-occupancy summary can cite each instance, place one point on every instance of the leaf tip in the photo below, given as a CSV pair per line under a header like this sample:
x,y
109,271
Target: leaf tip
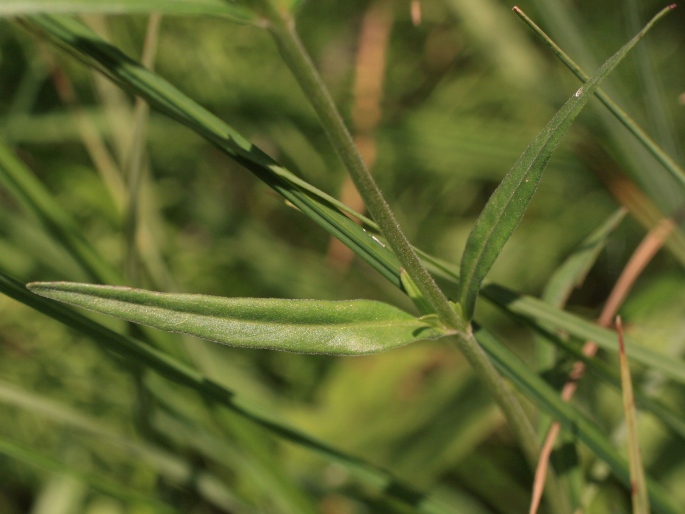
x,y
619,330
34,286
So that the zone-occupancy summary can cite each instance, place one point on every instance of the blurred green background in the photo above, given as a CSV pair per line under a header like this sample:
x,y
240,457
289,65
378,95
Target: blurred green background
x,y
464,91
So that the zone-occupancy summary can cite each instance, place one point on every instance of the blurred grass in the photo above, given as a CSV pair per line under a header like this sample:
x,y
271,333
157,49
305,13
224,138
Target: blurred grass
x,y
454,119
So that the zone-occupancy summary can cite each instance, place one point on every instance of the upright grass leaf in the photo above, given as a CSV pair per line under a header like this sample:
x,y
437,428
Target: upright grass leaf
x,y
571,274
566,277
575,268
135,170
33,195
354,327
638,489
234,9
508,203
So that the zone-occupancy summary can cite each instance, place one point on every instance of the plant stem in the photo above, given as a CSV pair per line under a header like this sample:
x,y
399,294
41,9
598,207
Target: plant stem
x,y
518,422
281,26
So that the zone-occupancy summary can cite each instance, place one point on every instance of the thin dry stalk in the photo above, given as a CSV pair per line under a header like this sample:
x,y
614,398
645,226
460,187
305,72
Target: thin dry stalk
x,y
97,150
642,255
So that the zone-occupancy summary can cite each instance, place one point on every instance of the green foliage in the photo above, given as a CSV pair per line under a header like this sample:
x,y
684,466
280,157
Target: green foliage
x,y
507,205
143,420
307,326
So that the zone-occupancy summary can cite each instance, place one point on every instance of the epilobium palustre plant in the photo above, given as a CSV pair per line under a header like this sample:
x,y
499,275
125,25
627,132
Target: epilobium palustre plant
x,y
171,211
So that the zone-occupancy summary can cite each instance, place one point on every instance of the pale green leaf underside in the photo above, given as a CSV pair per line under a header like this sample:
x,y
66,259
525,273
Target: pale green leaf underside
x,y
508,203
227,8
353,327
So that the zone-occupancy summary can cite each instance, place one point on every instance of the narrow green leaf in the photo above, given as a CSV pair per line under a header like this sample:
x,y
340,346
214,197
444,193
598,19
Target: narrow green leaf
x,y
353,327
573,270
233,9
582,329
508,203
570,275
659,154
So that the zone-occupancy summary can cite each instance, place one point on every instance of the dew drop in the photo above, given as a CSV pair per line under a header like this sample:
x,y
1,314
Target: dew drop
x,y
378,241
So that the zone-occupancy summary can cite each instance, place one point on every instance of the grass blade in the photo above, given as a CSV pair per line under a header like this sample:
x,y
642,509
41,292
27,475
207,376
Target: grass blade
x,y
548,399
585,330
638,489
508,203
32,194
569,275
79,40
225,8
659,154
574,269
354,327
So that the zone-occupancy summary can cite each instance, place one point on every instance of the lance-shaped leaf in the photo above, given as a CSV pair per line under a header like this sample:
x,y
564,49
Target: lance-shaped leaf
x,y
354,327
506,206
139,353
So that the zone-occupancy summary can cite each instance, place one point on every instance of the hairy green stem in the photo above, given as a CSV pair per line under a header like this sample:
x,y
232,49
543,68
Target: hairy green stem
x,y
520,425
281,26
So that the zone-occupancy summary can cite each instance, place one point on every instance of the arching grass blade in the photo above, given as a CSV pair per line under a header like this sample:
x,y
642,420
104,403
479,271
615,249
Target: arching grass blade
x,y
235,10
